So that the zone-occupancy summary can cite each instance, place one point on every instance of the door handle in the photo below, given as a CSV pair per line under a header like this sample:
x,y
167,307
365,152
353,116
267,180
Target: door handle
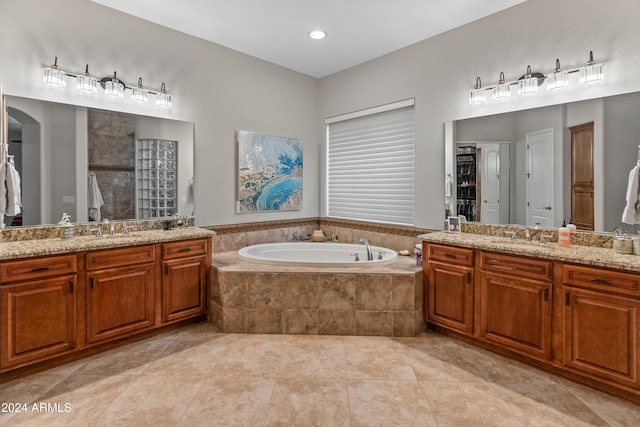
x,y
545,294
547,208
70,286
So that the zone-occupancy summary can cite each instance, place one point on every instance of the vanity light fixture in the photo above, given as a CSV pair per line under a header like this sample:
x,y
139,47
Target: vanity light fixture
x,y
113,86
317,34
140,94
502,90
529,83
592,72
86,82
54,76
163,99
476,95
558,79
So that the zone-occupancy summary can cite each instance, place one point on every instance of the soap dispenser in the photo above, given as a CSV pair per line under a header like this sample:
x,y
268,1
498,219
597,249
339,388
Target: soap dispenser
x,y
564,235
571,226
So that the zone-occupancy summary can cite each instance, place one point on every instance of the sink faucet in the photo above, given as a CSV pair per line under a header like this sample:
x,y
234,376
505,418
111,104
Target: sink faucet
x,y
545,236
512,234
366,244
527,236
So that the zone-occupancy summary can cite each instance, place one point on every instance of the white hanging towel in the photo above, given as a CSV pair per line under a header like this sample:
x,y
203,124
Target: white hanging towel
x,y
447,185
10,195
95,198
631,213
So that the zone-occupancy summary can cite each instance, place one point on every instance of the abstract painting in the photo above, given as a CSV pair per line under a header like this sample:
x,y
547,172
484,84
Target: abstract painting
x,y
269,173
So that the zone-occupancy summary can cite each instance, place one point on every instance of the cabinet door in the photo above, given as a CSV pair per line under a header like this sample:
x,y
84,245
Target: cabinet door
x,y
119,301
516,313
184,288
450,296
600,333
37,320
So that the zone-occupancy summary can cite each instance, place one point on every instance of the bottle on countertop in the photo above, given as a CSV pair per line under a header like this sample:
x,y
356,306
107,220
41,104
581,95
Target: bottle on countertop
x,y
564,235
571,226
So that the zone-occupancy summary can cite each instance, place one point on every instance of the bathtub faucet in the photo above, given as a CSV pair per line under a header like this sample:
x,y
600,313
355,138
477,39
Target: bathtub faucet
x,y
366,244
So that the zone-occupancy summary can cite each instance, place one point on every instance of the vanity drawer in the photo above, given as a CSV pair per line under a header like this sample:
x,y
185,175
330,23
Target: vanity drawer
x,y
516,266
27,269
108,258
601,279
184,248
451,254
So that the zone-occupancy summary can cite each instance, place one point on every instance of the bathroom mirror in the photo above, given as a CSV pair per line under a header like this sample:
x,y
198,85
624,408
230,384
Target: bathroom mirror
x,y
526,171
142,166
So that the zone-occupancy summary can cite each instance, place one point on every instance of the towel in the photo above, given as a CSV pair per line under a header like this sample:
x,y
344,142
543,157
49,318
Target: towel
x,y
447,185
10,195
95,198
631,213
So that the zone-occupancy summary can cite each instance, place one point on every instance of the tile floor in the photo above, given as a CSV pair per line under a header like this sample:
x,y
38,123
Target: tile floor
x,y
199,377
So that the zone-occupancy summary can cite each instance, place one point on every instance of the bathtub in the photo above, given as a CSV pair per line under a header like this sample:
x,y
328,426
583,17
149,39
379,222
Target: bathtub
x,y
309,254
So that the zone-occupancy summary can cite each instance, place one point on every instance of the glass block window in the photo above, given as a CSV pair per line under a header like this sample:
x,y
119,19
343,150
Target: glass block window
x,y
156,177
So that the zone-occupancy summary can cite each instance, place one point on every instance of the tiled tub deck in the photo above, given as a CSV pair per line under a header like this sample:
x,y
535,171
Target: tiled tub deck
x,y
248,297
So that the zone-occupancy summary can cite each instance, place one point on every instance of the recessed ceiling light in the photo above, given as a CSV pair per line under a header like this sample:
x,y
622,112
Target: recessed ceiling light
x,y
317,34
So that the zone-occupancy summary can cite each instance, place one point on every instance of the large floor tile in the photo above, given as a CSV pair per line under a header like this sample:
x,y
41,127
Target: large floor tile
x,y
313,358
371,358
309,402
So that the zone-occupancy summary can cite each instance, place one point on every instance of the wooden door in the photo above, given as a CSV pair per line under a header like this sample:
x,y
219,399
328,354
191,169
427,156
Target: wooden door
x,y
516,313
490,173
184,288
600,333
450,296
120,301
582,210
38,320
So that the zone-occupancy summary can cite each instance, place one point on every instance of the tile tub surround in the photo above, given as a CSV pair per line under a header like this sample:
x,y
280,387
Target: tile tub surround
x,y
248,297
588,255
236,236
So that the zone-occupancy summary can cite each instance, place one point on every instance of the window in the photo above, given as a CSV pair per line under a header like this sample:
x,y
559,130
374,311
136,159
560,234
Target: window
x,y
370,164
157,178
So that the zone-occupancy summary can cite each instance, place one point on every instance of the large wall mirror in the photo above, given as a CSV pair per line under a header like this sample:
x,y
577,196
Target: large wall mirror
x,y
546,165
142,167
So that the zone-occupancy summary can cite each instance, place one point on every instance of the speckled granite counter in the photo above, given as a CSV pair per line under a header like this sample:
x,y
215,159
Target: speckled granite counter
x,y
588,255
43,247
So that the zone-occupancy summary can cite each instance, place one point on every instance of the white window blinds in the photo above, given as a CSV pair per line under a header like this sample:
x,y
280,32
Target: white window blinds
x,y
371,167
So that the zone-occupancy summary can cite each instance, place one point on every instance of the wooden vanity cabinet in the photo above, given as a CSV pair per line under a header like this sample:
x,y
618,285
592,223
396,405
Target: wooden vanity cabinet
x,y
449,293
515,303
601,323
185,267
120,292
37,309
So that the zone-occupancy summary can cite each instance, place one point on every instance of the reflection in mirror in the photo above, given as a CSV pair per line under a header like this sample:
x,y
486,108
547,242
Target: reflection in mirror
x,y
546,165
96,164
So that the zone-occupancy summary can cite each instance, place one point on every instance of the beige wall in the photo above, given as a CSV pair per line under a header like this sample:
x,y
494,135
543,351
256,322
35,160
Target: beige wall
x,y
221,90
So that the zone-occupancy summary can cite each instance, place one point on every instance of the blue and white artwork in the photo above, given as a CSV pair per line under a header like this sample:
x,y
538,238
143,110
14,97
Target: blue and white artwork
x,y
269,173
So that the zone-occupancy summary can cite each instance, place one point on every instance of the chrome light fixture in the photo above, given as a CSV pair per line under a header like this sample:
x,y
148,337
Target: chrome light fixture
x,y
114,88
592,72
476,95
140,94
54,76
163,99
501,90
559,79
86,82
528,84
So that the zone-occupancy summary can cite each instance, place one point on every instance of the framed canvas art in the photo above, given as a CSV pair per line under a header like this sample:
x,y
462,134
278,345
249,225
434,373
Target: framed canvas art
x,y
269,173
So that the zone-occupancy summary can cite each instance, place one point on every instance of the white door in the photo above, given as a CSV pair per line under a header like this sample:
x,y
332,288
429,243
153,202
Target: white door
x,y
540,178
490,184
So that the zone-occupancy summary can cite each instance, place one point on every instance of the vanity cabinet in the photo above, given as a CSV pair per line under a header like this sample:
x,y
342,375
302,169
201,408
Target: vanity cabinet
x,y
120,292
449,296
601,323
185,268
515,303
37,309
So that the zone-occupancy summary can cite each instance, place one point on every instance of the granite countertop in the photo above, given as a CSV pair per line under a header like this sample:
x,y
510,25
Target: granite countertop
x,y
587,255
43,247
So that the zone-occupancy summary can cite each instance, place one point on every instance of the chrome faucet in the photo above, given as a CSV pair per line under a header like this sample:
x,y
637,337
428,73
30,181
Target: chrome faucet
x,y
366,244
527,236
512,234
545,236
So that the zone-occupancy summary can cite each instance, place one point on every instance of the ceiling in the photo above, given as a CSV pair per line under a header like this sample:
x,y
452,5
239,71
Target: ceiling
x,y
277,30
